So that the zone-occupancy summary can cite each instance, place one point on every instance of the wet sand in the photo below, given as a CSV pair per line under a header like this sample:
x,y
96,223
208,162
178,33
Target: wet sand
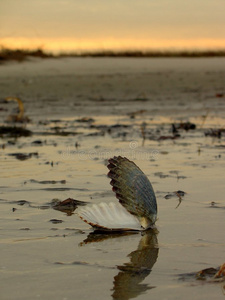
x,y
84,111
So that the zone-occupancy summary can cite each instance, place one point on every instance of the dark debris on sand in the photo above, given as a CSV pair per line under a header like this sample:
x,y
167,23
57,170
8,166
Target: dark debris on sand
x,y
23,156
67,206
48,181
208,275
14,131
215,132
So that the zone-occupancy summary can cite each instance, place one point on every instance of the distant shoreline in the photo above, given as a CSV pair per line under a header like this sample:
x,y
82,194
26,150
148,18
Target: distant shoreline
x,y
24,54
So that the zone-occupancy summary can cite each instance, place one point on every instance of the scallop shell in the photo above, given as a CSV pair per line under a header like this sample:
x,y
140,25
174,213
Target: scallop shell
x,y
137,209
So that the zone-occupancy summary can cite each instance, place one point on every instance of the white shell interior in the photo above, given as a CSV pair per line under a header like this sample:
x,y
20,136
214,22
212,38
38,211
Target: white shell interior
x,y
112,216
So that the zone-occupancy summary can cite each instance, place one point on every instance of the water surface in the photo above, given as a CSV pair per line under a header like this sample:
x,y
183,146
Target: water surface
x,y
50,254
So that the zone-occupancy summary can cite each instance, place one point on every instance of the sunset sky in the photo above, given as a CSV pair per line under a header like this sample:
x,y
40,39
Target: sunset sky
x,y
72,25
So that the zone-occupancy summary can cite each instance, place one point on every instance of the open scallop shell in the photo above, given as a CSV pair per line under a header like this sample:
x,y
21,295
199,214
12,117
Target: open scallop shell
x,y
137,207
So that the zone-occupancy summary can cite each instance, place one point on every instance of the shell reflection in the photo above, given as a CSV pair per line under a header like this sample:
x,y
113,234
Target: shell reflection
x,y
127,284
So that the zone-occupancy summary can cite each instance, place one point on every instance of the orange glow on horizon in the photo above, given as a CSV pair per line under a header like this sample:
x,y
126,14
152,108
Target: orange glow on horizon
x,y
82,45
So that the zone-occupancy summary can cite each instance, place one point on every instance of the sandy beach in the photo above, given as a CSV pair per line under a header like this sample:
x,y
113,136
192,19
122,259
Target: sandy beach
x,y
79,86
165,114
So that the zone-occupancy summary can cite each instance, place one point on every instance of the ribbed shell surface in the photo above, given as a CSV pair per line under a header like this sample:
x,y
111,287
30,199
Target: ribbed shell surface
x,y
132,188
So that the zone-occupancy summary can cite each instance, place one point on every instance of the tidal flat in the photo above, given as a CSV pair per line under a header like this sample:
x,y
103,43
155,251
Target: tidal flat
x,y
165,114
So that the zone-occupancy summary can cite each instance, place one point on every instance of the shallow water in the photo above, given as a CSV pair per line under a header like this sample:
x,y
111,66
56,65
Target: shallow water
x,y
50,254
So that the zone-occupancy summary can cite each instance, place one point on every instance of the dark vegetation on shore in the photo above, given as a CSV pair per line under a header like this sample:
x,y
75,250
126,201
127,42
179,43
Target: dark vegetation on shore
x,y
24,54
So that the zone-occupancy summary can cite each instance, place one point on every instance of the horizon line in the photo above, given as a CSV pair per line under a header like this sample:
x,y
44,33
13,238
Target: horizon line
x,y
7,54
68,45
